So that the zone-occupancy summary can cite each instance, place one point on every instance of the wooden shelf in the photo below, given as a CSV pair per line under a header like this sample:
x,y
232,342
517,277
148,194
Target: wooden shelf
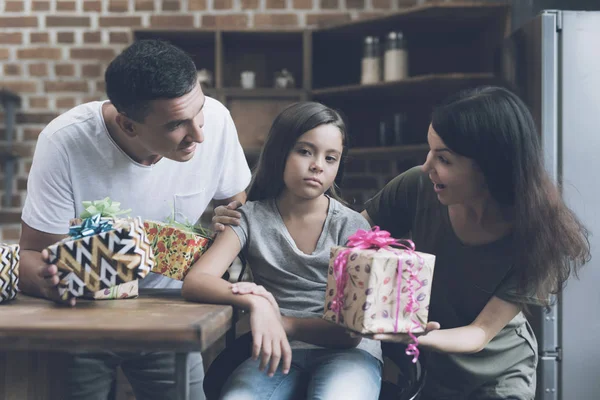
x,y
263,93
426,17
423,85
412,150
326,65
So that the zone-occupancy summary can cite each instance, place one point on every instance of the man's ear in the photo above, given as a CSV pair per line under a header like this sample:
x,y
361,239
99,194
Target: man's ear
x,y
126,124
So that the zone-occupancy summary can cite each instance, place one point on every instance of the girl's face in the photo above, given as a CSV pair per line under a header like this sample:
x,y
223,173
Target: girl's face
x,y
456,179
313,162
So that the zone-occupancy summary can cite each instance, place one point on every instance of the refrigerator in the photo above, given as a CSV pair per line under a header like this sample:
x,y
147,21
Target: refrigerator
x,y
553,62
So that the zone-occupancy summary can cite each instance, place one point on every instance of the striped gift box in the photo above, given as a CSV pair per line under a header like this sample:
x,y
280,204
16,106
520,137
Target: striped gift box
x,y
9,271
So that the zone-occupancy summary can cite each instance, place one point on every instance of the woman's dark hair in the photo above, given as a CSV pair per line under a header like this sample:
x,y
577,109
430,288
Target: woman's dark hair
x,y
145,71
288,126
494,127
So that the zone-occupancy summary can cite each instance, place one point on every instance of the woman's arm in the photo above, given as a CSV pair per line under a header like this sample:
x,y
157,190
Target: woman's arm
x,y
472,338
319,332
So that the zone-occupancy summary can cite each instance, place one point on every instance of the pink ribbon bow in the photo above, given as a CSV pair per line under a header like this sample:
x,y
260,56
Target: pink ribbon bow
x,y
379,239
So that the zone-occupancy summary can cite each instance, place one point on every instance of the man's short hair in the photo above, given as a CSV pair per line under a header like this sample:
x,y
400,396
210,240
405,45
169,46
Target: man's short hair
x,y
145,71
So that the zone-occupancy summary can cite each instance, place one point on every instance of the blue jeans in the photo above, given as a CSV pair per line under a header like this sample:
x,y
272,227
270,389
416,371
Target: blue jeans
x,y
151,375
322,374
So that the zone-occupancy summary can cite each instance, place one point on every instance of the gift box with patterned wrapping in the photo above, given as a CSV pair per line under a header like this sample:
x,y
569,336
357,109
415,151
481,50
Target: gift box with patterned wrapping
x,y
9,271
379,285
101,253
176,247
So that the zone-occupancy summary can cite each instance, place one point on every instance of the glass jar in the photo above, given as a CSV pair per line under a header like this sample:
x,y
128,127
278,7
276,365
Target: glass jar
x,y
371,61
395,64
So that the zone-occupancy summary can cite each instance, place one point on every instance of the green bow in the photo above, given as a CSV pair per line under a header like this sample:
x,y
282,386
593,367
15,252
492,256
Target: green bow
x,y
189,227
106,208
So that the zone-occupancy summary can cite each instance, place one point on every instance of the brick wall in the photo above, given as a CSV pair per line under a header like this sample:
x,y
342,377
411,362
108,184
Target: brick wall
x,y
54,52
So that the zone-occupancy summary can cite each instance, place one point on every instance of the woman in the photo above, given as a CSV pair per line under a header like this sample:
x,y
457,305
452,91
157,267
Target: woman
x,y
502,236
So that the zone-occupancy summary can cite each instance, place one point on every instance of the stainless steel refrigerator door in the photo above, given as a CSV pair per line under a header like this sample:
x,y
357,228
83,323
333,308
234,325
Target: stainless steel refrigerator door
x,y
579,329
530,65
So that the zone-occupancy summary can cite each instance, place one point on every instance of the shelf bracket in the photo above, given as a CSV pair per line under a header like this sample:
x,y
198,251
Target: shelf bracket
x,y
9,101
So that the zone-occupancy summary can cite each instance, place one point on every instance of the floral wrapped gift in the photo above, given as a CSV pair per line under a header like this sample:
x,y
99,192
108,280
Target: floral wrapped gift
x,y
101,253
9,271
176,246
377,284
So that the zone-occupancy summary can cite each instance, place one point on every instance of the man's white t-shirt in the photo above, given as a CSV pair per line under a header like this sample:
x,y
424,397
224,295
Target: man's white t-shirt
x,y
77,160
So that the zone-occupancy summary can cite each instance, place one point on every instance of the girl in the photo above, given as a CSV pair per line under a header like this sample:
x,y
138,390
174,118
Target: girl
x,y
287,228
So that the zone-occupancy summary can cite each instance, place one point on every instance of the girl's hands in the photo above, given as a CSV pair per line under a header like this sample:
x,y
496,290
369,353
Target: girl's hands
x,y
258,290
270,341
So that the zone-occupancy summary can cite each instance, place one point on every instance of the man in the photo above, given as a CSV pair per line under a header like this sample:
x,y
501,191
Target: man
x,y
160,147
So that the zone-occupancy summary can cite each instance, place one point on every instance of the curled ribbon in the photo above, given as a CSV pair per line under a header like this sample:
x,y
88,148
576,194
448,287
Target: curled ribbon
x,y
379,239
91,226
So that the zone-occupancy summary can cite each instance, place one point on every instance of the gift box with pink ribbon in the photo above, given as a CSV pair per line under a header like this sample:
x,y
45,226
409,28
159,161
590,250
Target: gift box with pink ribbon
x,y
378,284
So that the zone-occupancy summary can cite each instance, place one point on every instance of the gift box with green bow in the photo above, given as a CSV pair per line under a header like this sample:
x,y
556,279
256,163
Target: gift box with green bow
x,y
101,252
9,271
176,246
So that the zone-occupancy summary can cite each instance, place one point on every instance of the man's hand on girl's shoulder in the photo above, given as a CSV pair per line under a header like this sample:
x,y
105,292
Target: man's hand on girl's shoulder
x,y
226,215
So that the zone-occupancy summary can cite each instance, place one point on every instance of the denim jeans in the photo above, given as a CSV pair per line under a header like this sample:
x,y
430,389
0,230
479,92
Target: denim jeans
x,y
151,375
323,374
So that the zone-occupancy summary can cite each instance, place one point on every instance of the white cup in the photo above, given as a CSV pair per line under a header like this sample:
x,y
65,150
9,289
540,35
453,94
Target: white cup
x,y
247,79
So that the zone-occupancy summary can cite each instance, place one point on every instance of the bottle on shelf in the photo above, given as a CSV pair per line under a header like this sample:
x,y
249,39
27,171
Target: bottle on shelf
x,y
395,64
371,61
399,128
392,130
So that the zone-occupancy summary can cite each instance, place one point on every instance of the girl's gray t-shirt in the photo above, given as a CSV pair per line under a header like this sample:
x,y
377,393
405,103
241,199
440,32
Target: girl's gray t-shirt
x,y
297,280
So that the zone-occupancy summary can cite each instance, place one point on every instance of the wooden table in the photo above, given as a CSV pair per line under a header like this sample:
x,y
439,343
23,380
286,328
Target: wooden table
x,y
158,320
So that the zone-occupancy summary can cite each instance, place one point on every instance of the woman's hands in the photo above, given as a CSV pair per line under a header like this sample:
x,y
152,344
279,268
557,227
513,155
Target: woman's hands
x,y
270,341
400,337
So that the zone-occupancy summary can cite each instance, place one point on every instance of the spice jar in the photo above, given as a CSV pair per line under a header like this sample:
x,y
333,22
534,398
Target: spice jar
x,y
395,64
371,63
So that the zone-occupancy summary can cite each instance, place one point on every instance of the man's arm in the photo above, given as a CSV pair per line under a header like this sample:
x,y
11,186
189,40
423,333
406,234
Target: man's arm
x,y
228,206
240,198
36,276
